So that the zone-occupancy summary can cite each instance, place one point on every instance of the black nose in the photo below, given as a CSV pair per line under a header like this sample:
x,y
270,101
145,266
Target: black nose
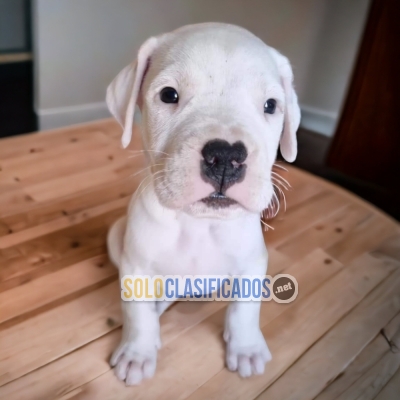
x,y
223,163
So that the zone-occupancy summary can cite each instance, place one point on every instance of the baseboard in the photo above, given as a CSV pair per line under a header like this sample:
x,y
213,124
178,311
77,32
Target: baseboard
x,y
317,120
63,116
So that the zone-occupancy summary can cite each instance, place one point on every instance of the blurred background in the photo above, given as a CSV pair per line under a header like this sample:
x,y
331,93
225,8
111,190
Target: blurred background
x,y
58,56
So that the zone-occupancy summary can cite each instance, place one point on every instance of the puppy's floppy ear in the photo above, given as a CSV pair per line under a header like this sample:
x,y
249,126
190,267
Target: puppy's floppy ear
x,y
288,142
123,92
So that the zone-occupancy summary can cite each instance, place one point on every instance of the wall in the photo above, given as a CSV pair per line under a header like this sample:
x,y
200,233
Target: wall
x,y
80,45
332,64
12,25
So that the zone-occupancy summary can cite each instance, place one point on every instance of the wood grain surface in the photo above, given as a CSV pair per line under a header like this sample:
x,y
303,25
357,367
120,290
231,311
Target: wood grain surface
x,y
60,314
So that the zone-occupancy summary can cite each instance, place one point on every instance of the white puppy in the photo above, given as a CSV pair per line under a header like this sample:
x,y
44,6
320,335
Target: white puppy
x,y
216,103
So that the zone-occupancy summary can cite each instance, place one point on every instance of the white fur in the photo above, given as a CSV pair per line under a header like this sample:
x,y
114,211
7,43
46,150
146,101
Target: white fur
x,y
223,75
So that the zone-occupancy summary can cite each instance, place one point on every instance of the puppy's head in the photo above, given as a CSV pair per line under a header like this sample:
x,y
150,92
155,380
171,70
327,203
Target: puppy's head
x,y
216,103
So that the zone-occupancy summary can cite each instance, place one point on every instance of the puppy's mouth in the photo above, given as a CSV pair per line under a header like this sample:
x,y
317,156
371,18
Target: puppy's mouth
x,y
218,200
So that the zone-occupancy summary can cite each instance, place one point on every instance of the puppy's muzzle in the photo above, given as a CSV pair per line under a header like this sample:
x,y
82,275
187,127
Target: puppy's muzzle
x,y
222,164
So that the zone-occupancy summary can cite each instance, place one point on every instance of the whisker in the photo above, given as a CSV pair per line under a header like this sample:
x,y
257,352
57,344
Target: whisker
x,y
139,186
279,166
135,155
140,152
283,195
144,189
145,151
158,159
281,178
273,208
148,184
266,226
140,171
277,203
278,182
144,169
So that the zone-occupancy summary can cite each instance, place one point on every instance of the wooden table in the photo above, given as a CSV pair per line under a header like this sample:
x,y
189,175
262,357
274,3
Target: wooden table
x,y
59,298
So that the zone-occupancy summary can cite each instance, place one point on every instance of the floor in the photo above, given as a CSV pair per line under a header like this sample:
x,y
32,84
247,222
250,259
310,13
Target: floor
x,y
313,150
60,313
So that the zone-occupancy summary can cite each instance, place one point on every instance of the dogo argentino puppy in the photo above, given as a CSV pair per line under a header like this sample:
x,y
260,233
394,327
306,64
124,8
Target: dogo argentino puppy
x,y
216,102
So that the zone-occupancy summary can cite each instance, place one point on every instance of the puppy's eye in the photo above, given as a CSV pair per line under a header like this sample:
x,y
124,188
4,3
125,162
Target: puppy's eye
x,y
270,106
169,95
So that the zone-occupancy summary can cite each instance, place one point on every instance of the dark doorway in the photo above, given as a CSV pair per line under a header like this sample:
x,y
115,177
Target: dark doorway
x,y
16,69
366,145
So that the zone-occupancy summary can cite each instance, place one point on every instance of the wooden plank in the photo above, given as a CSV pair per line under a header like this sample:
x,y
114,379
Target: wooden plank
x,y
175,360
326,185
301,193
61,223
54,380
46,141
277,262
295,330
392,389
176,321
4,229
185,353
69,205
311,271
58,332
63,186
43,239
392,334
300,190
325,234
367,235
310,374
14,200
300,218
59,187
363,362
62,147
389,248
48,167
373,381
43,268
35,254
52,287
61,166
91,361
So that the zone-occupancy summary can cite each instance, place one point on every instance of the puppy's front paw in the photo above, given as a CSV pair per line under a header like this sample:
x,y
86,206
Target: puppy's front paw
x,y
134,362
247,354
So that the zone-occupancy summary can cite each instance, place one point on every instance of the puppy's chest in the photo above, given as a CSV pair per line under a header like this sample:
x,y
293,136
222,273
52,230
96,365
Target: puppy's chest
x,y
198,250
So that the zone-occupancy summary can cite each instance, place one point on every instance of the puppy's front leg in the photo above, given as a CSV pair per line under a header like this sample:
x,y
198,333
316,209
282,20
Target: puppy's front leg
x,y
246,349
136,357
